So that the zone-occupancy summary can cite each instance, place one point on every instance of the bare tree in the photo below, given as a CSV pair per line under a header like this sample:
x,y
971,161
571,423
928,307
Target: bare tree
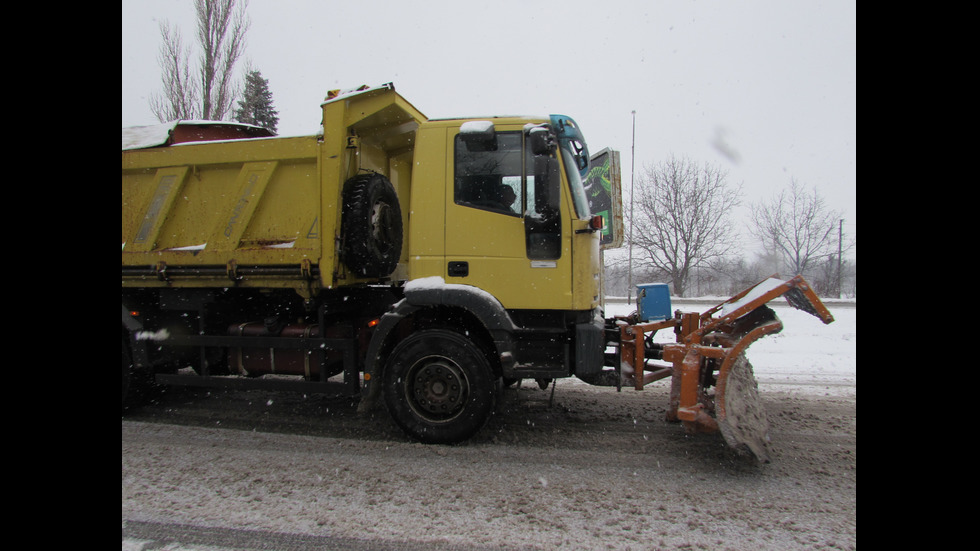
x,y
221,28
179,96
221,51
798,226
683,218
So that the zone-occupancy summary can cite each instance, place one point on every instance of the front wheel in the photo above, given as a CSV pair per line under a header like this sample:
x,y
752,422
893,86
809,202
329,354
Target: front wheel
x,y
439,387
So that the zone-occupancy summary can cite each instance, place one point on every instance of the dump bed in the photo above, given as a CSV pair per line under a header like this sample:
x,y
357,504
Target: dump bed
x,y
259,212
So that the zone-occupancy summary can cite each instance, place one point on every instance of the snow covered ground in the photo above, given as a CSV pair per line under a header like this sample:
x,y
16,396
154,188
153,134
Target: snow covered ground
x,y
201,469
806,356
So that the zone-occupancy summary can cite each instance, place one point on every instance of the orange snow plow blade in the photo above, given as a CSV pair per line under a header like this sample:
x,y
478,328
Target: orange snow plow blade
x,y
710,354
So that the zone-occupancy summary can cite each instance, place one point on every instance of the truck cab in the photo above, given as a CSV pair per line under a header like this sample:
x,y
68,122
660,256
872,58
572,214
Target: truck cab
x,y
505,215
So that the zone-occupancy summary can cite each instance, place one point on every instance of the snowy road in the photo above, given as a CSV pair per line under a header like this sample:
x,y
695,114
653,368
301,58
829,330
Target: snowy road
x,y
592,469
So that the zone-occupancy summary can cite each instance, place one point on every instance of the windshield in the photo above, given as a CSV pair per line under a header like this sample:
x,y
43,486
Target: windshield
x,y
575,157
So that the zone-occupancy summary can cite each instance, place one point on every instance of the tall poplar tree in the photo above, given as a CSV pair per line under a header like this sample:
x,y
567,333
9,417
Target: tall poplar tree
x,y
204,91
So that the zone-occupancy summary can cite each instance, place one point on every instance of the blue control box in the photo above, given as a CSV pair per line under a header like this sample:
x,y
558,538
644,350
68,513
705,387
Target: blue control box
x,y
653,301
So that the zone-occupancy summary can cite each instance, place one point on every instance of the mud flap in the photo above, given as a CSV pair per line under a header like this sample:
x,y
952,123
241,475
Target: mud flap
x,y
740,414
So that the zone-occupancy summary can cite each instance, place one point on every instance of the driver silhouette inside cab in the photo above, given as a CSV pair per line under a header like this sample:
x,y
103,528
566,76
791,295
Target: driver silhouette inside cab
x,y
505,197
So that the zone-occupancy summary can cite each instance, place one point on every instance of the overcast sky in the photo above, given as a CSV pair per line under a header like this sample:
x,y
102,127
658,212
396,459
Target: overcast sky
x,y
764,89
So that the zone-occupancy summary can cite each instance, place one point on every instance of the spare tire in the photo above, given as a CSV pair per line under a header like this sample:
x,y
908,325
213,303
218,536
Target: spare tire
x,y
371,226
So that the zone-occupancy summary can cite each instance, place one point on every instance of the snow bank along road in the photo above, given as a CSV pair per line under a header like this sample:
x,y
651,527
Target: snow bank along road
x,y
586,468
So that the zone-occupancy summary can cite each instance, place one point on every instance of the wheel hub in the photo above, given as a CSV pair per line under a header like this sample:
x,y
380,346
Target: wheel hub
x,y
381,226
438,387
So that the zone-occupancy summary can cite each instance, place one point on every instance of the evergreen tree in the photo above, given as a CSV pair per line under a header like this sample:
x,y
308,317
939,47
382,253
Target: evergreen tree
x,y
255,107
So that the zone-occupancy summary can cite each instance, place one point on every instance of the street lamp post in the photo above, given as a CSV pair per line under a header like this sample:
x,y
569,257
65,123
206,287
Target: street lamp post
x,y
629,269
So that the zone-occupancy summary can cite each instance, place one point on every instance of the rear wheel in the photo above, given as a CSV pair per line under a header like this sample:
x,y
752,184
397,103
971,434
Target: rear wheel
x,y
439,387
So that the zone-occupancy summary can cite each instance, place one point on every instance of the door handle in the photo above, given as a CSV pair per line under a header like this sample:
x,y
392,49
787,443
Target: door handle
x,y
459,269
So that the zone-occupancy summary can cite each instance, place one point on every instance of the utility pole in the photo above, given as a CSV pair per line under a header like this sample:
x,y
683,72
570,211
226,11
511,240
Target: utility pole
x,y
629,269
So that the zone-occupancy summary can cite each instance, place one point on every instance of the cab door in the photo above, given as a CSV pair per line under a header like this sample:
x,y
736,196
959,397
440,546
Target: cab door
x,y
493,228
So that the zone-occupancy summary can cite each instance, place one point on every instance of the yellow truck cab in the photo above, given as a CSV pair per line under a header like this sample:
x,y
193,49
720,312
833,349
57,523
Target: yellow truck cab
x,y
506,218
425,260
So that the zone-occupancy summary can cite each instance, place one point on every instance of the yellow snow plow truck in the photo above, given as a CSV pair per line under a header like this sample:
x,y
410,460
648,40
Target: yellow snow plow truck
x,y
403,260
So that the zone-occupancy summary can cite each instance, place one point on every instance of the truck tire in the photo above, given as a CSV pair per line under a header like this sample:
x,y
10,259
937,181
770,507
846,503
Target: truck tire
x,y
439,387
371,224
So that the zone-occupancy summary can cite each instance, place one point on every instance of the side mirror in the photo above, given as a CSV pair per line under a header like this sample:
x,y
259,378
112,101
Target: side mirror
x,y
547,184
541,140
542,222
478,135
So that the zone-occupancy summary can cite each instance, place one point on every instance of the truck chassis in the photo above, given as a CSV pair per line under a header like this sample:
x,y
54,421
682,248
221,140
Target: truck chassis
x,y
438,378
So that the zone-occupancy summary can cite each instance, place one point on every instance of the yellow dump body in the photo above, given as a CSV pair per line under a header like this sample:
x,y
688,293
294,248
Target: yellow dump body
x,y
261,212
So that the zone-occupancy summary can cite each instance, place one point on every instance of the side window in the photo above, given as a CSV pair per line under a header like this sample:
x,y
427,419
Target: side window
x,y
488,176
